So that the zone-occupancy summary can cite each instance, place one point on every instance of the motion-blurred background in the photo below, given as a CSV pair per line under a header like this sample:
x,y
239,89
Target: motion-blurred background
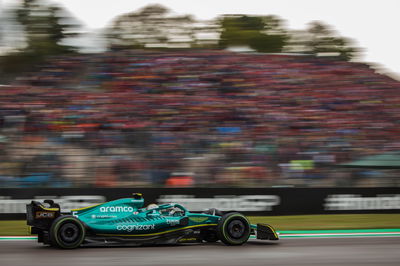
x,y
167,100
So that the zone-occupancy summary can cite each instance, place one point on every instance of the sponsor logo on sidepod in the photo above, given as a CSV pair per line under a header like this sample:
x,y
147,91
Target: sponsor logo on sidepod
x,y
116,209
135,227
94,216
173,222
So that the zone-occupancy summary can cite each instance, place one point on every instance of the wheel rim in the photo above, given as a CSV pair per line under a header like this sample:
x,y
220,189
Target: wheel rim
x,y
69,233
236,229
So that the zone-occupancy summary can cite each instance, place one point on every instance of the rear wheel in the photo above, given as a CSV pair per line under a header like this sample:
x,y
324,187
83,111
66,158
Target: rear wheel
x,y
67,232
233,229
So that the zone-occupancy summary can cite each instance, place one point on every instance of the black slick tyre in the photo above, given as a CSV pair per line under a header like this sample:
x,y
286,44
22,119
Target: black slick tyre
x,y
233,229
67,232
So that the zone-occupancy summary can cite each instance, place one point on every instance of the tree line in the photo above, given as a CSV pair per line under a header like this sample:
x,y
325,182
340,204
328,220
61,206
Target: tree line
x,y
46,27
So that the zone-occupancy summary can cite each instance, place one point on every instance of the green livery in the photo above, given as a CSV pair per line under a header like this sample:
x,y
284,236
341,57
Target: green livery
x,y
128,221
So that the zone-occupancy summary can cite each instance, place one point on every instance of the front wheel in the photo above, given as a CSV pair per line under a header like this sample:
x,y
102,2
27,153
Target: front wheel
x,y
233,229
67,232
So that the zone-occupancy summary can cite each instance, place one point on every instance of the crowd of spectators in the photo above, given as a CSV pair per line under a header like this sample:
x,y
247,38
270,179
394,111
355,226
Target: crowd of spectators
x,y
197,118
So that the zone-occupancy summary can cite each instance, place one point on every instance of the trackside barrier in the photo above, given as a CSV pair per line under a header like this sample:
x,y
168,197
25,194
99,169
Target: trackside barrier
x,y
251,201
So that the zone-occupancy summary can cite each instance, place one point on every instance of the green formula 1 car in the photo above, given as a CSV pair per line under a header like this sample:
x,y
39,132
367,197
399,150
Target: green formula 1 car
x,y
127,221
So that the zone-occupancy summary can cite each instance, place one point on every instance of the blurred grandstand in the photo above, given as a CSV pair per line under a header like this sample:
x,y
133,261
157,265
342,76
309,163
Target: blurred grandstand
x,y
197,118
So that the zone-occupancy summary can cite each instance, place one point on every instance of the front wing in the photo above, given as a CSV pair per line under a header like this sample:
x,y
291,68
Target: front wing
x,y
266,232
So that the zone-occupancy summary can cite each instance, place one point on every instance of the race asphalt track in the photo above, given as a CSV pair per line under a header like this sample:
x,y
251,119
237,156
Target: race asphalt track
x,y
311,251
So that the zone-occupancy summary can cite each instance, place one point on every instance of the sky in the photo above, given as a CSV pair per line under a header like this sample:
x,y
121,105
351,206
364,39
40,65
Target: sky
x,y
372,24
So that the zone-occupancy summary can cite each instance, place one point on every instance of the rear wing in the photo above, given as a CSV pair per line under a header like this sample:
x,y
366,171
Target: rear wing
x,y
39,216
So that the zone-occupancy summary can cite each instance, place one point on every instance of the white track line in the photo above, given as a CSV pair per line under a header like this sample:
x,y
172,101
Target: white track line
x,y
313,235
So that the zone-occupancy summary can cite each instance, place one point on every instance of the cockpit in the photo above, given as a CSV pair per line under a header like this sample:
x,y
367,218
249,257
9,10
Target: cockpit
x,y
175,210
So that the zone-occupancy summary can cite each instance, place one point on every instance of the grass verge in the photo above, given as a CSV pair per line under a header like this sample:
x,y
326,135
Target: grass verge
x,y
280,223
